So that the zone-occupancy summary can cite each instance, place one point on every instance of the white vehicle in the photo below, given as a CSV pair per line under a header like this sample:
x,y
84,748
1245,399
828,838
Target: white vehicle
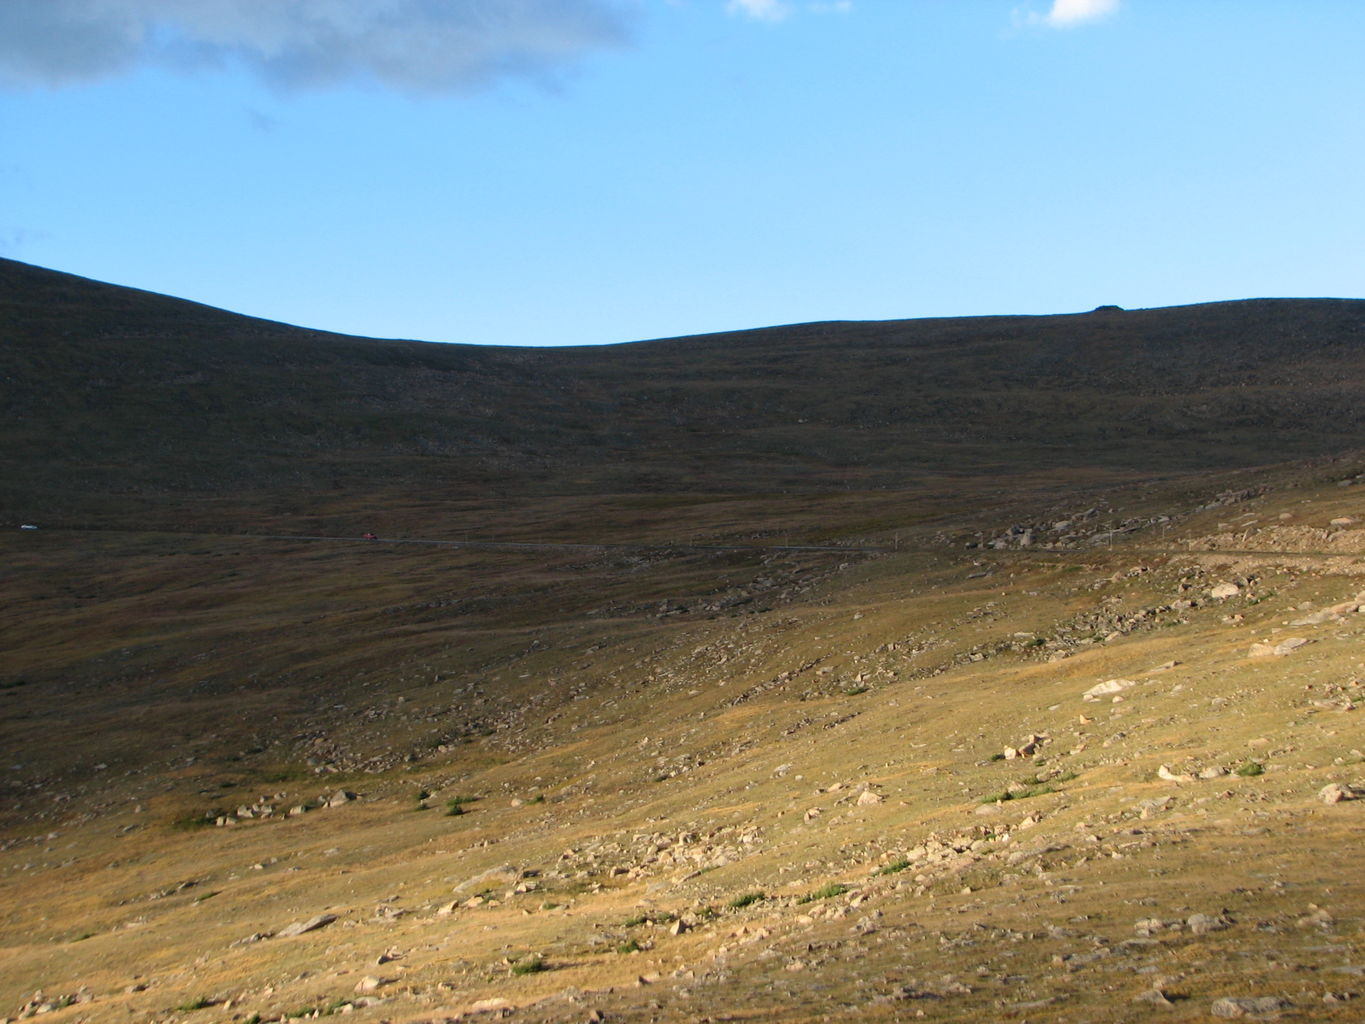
x,y
28,526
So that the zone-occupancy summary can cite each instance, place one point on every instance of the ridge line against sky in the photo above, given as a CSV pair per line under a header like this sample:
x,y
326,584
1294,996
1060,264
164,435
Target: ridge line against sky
x,y
580,171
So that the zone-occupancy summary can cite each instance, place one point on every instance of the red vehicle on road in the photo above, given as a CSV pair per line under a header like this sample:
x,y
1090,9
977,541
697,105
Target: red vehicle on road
x,y
369,536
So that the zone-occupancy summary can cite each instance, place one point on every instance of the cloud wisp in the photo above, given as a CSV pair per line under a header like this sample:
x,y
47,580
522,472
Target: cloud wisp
x,y
414,45
759,10
1070,13
778,10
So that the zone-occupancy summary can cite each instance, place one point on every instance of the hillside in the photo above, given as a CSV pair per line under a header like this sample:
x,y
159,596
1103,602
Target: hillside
x,y
999,669
116,399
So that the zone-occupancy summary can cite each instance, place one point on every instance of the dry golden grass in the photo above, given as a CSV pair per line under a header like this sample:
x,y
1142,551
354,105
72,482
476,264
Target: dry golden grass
x,y
639,764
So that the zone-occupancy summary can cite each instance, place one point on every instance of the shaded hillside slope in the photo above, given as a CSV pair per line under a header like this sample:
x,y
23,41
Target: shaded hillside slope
x,y
108,392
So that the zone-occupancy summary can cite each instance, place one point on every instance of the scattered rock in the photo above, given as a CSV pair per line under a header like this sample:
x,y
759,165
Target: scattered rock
x,y
1164,772
500,877
868,798
1246,1006
1335,793
1202,924
311,925
1109,686
369,983
1154,996
1223,591
503,1006
1279,650
1319,918
340,797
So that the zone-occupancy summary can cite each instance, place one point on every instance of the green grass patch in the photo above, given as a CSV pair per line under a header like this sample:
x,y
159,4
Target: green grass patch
x,y
748,899
853,691
194,821
1032,786
284,775
825,892
895,867
1250,770
455,806
317,1011
629,946
202,1003
529,965
1017,794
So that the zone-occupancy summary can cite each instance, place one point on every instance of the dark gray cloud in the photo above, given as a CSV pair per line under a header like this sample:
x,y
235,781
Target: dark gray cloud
x,y
417,45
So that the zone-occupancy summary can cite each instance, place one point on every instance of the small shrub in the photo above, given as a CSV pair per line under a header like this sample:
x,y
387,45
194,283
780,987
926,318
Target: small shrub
x,y
637,920
896,866
1251,769
528,965
853,691
997,757
629,946
203,1003
747,899
539,798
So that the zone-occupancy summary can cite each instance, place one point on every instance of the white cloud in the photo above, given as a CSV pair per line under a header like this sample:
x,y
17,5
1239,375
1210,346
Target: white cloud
x,y
759,10
1067,13
417,45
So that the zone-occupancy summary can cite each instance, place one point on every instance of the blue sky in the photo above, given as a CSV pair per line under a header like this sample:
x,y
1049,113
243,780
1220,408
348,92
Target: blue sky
x,y
532,172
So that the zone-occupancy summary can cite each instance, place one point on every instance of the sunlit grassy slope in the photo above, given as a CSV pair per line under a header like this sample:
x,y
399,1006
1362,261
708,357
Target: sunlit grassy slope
x,y
779,716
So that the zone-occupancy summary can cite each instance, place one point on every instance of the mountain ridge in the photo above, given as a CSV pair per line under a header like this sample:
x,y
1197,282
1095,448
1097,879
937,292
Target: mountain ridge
x,y
130,391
